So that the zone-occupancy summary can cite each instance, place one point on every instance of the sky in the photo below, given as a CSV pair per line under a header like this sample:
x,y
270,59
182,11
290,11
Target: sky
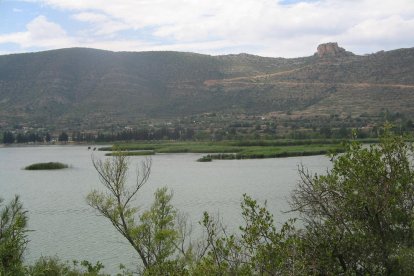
x,y
277,28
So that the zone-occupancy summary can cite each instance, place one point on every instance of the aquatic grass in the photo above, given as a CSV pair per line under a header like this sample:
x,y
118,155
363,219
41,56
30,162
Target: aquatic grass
x,y
206,158
175,147
274,152
131,153
128,147
248,149
223,146
46,166
198,148
284,142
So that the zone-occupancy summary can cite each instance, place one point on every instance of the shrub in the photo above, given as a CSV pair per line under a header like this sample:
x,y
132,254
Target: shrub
x,y
47,166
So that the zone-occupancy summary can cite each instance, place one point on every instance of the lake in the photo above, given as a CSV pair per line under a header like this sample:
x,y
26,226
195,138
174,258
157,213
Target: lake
x,y
64,225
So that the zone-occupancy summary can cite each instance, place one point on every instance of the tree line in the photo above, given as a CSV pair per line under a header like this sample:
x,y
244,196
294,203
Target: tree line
x,y
32,137
143,134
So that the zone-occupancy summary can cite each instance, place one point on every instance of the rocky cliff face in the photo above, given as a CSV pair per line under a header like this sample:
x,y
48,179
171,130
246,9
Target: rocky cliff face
x,y
331,49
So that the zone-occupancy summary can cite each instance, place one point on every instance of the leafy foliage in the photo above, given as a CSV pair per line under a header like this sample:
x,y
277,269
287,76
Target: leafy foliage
x,y
116,204
259,249
359,216
52,266
155,234
13,239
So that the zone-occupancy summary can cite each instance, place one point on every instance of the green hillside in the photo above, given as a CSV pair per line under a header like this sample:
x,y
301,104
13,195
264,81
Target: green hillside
x,y
82,88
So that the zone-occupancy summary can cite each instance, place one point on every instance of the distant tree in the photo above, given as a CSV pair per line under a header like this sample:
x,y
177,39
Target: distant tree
x,y
343,132
189,134
218,135
101,137
326,131
33,137
21,138
8,137
77,136
63,137
161,133
48,137
407,125
142,134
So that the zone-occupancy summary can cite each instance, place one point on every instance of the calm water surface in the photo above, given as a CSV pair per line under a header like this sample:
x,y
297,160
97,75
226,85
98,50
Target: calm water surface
x,y
64,225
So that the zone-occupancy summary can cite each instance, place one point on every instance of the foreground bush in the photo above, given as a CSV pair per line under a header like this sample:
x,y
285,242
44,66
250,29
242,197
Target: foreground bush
x,y
13,239
359,216
52,266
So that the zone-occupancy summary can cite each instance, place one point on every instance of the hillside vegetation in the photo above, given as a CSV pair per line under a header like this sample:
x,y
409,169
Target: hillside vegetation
x,y
86,88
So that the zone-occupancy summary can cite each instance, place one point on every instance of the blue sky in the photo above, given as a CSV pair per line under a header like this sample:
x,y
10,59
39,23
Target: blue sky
x,y
287,28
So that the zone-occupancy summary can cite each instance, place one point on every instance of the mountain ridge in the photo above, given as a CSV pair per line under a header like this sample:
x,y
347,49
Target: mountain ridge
x,y
84,88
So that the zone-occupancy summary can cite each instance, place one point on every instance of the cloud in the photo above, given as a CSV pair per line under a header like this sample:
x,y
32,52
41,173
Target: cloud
x,y
374,34
40,32
101,24
393,28
90,17
271,27
42,29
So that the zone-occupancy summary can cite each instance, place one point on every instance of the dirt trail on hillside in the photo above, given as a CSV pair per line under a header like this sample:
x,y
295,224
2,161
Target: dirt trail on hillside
x,y
250,78
256,80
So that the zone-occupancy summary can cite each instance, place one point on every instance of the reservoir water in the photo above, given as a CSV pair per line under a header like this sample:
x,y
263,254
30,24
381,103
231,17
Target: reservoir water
x,y
65,226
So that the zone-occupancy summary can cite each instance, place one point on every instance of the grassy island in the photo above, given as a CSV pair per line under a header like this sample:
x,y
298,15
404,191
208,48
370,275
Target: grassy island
x,y
269,154
46,166
132,153
227,150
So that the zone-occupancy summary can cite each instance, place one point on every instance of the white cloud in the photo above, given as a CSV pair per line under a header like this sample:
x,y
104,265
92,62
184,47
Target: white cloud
x,y
17,38
390,28
372,35
90,17
264,26
42,29
39,33
102,25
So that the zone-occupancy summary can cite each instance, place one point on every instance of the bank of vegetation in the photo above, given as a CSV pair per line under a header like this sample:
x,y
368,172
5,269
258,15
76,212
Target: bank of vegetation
x,y
227,150
218,127
355,220
260,155
132,153
46,166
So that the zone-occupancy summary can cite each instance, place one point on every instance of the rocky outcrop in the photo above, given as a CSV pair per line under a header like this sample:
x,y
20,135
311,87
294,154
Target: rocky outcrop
x,y
331,49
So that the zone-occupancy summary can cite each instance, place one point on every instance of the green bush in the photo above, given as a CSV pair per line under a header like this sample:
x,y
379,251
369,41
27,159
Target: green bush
x,y
359,216
53,266
47,166
205,159
13,239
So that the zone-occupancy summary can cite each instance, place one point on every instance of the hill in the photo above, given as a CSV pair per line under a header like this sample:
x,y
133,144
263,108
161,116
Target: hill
x,y
84,88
